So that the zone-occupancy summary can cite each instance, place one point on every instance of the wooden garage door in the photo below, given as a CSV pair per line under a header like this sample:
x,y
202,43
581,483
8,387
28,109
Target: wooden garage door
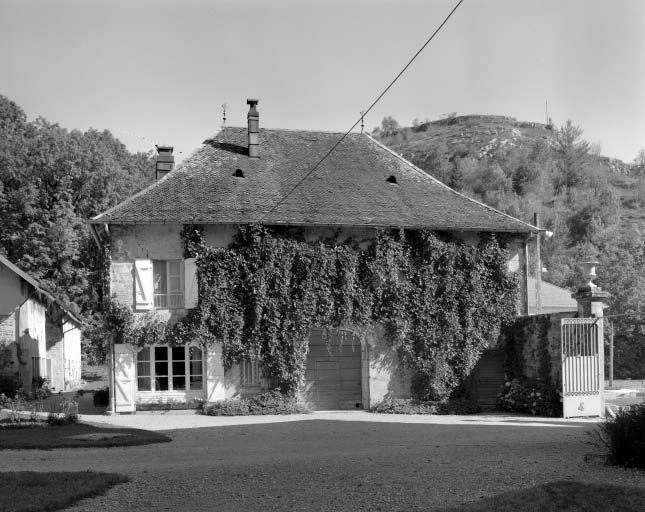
x,y
332,377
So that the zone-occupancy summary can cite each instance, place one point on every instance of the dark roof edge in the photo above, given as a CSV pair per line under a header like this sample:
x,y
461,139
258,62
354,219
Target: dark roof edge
x,y
40,288
473,229
529,227
97,218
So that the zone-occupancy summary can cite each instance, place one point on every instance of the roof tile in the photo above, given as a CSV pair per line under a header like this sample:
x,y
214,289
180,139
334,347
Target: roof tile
x,y
349,188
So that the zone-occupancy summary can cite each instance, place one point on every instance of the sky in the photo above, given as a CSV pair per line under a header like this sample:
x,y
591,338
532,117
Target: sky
x,y
158,72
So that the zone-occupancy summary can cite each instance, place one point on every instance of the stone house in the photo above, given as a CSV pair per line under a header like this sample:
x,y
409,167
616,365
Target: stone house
x,y
272,177
39,337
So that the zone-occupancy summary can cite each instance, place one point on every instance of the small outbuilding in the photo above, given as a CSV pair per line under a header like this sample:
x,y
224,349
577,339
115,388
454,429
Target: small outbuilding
x,y
39,337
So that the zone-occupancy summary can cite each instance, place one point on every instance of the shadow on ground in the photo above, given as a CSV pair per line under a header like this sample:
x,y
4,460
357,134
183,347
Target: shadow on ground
x,y
556,496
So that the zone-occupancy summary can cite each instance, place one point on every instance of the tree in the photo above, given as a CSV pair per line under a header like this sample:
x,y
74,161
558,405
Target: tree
x,y
639,163
572,153
51,181
389,126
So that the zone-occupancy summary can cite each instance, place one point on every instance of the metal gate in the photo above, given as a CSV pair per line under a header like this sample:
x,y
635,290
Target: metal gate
x,y
582,367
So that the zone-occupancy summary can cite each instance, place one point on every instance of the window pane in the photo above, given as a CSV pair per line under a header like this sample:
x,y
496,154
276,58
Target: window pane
x,y
196,367
144,354
178,383
178,368
174,284
161,368
196,382
160,276
161,383
161,353
143,383
178,354
143,368
195,353
174,268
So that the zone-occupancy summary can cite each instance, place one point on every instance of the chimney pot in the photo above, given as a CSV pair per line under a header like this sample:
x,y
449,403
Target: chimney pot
x,y
165,161
253,128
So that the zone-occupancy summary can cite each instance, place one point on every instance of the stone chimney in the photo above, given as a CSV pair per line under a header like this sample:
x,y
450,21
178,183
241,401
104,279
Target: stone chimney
x,y
165,161
254,129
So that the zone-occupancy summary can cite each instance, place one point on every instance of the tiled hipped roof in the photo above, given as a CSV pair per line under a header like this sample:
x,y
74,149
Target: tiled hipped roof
x,y
350,188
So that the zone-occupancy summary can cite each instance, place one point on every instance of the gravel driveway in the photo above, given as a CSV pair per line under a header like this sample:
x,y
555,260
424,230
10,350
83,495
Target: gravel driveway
x,y
336,462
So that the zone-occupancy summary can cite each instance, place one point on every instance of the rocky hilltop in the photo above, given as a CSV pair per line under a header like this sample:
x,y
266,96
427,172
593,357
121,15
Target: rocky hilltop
x,y
478,135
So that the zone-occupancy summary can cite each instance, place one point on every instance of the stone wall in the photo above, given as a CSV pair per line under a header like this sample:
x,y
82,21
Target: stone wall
x,y
532,346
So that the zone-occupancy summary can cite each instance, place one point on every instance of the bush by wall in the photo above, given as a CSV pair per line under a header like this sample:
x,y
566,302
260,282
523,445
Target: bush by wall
x,y
624,437
272,402
101,397
9,385
412,406
534,398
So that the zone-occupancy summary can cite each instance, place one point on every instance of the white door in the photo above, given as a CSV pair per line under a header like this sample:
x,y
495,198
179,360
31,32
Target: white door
x,y
124,372
582,367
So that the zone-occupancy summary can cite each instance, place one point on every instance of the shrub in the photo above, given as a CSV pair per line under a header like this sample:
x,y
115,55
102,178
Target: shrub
x,y
413,406
530,397
624,436
64,412
271,402
9,385
102,397
167,405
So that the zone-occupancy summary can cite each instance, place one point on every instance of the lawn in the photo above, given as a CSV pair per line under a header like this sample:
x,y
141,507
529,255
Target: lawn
x,y
556,496
41,436
30,491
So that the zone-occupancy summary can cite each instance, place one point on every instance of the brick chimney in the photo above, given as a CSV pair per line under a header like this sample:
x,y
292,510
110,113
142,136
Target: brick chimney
x,y
165,161
254,129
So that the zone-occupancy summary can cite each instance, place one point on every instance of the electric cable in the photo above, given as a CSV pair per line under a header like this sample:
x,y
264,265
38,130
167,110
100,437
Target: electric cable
x,y
363,114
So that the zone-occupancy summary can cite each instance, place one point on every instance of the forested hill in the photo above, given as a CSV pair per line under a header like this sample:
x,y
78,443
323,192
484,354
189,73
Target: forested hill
x,y
51,181
594,205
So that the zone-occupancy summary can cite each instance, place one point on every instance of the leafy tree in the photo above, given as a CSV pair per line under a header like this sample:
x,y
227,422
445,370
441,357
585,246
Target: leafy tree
x,y
389,126
51,181
639,163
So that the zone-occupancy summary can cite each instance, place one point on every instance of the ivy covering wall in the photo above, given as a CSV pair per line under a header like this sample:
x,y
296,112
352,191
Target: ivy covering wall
x,y
439,301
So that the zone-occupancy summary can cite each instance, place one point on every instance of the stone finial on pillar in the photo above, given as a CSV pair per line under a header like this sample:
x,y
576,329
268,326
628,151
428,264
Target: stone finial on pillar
x,y
592,299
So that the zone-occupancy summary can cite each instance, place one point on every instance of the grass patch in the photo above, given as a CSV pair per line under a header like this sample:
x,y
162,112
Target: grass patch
x,y
30,491
41,436
556,496
412,406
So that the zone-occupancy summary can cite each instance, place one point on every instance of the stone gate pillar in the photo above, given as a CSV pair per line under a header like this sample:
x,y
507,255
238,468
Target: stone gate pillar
x,y
592,300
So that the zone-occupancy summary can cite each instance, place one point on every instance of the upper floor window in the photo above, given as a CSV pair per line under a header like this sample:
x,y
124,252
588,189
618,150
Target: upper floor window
x,y
168,289
165,284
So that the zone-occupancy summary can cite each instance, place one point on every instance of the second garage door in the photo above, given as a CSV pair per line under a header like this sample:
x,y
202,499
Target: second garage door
x,y
333,375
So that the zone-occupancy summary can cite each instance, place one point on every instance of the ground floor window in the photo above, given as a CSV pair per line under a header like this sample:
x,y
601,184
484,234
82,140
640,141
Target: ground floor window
x,y
163,368
250,373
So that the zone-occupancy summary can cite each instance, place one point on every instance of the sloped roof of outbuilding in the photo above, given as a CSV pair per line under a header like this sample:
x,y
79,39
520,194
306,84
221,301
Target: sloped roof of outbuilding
x,y
41,291
350,188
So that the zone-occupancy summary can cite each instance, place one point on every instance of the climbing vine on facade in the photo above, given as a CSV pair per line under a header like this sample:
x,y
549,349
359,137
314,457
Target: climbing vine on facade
x,y
438,300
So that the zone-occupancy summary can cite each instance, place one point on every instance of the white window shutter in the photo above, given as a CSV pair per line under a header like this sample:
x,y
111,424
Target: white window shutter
x,y
143,284
190,283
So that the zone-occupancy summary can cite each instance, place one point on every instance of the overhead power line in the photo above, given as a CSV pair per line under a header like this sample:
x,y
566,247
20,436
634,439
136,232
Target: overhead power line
x,y
364,113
